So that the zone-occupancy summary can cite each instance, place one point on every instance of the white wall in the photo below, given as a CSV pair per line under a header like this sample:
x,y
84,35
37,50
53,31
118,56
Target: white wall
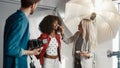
x,y
102,61
6,9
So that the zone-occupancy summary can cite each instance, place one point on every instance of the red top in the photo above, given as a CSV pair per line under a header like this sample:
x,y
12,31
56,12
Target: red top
x,y
45,45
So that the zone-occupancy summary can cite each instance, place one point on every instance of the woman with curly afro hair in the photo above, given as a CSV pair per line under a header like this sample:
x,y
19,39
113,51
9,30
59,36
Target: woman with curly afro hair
x,y
50,54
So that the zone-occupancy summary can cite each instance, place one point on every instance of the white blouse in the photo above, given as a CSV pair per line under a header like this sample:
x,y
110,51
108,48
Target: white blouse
x,y
52,47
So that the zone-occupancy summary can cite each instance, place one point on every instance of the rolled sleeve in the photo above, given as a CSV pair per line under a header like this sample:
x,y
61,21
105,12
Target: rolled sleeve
x,y
21,52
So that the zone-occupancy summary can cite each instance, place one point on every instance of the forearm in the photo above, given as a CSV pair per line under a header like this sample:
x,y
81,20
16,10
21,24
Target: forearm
x,y
32,52
87,55
67,40
27,52
13,51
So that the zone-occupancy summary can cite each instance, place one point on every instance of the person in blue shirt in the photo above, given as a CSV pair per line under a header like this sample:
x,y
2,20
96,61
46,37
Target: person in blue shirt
x,y
16,36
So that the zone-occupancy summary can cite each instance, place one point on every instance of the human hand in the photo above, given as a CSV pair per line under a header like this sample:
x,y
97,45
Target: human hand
x,y
61,29
36,51
84,54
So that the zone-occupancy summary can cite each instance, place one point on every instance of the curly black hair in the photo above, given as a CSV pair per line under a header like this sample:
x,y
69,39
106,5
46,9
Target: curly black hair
x,y
46,25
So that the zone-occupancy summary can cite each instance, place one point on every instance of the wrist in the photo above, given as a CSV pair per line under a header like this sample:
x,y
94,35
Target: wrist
x,y
62,34
27,52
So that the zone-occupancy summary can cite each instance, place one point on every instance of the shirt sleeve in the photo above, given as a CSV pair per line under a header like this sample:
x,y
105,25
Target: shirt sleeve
x,y
16,32
70,39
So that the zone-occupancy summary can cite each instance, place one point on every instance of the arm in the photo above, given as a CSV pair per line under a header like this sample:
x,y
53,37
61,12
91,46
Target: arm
x,y
64,38
71,39
32,52
68,40
13,39
88,54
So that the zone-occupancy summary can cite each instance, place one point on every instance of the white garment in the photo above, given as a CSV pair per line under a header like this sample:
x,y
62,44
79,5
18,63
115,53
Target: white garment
x,y
52,47
51,63
87,63
35,60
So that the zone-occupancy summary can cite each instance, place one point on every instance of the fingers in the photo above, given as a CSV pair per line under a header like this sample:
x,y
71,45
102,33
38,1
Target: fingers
x,y
84,54
61,29
39,49
36,51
